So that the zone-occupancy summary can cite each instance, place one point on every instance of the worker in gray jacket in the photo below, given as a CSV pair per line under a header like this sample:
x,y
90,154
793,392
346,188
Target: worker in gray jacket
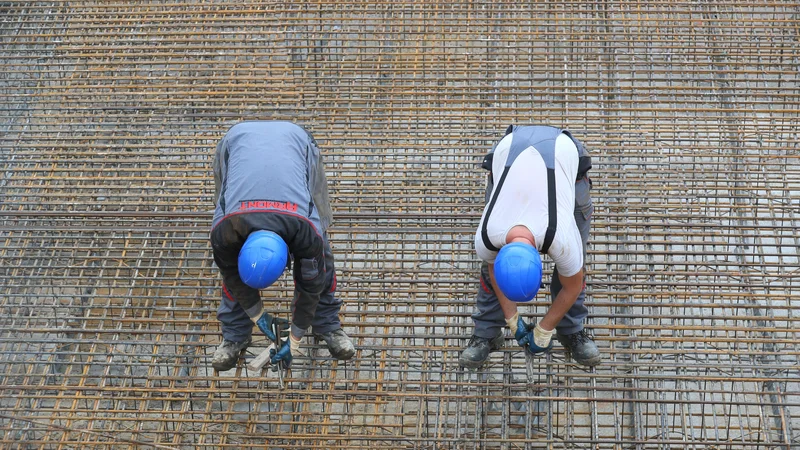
x,y
272,212
537,201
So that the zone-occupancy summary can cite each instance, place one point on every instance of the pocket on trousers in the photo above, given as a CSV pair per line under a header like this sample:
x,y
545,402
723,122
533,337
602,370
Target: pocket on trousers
x,y
309,269
583,200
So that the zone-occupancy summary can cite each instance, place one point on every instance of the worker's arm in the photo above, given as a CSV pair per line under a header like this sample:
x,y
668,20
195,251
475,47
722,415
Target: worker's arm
x,y
310,274
534,339
571,287
509,307
569,260
225,245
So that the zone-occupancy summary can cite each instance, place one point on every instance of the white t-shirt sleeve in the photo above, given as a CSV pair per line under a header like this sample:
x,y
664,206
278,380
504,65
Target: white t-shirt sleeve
x,y
483,253
569,255
567,248
498,165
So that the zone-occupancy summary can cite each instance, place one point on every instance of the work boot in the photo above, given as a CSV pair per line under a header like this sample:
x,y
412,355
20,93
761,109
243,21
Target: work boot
x,y
339,344
227,354
581,347
478,350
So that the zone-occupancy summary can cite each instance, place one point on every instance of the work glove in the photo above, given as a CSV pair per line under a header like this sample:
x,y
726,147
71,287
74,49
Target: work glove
x,y
274,329
283,358
533,338
268,325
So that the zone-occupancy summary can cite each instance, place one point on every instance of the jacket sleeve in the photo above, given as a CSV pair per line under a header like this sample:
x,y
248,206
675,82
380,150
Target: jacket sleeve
x,y
226,256
310,280
318,185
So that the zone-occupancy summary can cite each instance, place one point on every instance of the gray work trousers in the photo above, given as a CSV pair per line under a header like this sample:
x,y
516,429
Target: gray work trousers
x,y
489,318
236,324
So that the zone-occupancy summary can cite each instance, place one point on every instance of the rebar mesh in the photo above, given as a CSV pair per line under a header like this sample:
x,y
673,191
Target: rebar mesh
x,y
109,114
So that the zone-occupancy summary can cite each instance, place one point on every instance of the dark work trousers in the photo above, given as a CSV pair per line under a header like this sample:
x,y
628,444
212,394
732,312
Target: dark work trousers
x,y
489,318
237,326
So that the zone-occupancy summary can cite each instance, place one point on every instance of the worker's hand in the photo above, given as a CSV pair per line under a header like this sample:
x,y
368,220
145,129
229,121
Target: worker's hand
x,y
526,335
267,324
281,359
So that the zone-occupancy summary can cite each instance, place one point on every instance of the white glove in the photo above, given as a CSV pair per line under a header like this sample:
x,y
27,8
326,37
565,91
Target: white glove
x,y
294,345
542,337
512,323
259,313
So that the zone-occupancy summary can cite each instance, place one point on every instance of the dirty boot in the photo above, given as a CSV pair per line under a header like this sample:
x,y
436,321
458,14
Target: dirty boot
x,y
478,350
227,354
339,344
581,347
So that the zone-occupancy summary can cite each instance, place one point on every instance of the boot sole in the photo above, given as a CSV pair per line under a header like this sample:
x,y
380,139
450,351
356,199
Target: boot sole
x,y
230,366
591,362
219,368
343,356
338,356
470,364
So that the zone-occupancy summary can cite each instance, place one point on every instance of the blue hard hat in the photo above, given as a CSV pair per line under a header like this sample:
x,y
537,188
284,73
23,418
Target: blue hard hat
x,y
262,259
518,271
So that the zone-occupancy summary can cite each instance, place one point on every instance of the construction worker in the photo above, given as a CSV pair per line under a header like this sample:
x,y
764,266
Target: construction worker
x,y
537,200
272,210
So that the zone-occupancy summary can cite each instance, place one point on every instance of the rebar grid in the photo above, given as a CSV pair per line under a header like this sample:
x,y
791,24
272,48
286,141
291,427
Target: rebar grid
x,y
109,113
